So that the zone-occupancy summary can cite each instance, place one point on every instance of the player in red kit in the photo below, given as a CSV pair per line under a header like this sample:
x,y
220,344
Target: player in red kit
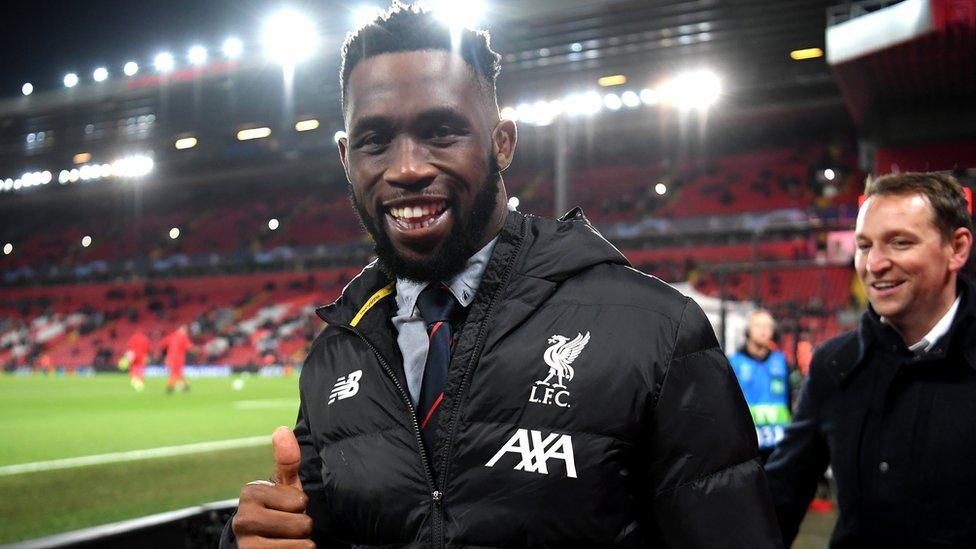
x,y
136,354
176,344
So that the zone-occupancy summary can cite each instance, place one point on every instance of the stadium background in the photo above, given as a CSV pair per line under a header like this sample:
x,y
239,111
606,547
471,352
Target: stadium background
x,y
721,145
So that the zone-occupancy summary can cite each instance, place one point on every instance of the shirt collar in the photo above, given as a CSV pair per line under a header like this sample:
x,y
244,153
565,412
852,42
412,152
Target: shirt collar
x,y
464,285
940,329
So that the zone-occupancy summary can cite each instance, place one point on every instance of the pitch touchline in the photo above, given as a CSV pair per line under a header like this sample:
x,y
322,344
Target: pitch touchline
x,y
149,453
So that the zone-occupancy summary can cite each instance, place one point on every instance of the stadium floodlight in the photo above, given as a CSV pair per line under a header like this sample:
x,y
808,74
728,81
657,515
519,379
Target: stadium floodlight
x,y
364,15
253,133
612,101
583,103
197,55
74,175
661,189
70,80
86,241
273,224
46,177
174,233
164,62
290,37
232,48
630,99
132,166
306,125
457,15
8,248
100,74
63,177
27,88
693,90
130,68
338,135
185,143
81,158
829,174
17,184
544,113
649,96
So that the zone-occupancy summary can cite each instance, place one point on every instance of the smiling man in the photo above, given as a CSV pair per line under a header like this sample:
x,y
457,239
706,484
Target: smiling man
x,y
892,407
495,379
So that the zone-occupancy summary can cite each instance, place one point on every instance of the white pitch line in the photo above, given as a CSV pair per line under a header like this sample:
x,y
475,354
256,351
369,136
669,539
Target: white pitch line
x,y
149,453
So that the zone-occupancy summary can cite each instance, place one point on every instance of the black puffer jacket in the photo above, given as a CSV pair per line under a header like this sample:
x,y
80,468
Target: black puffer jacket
x,y
647,444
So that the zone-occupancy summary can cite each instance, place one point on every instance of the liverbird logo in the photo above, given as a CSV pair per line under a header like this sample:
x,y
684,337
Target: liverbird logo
x,y
559,356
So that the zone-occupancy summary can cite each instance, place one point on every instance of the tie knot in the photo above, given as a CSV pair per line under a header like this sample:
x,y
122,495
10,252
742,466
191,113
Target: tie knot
x,y
437,304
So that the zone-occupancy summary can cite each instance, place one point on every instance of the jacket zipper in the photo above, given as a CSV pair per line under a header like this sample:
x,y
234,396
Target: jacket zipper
x,y
435,494
479,342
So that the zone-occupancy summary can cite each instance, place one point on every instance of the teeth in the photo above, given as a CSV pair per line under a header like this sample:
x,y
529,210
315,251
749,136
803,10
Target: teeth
x,y
419,213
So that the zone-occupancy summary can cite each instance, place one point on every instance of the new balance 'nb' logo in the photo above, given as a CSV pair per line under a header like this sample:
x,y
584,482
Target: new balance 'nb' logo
x,y
536,451
346,386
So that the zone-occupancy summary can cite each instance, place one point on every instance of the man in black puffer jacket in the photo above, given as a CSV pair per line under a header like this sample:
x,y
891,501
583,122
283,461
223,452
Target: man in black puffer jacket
x,y
585,404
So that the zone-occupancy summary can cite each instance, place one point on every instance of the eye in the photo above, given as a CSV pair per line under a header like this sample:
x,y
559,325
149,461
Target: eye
x,y
372,142
444,133
863,246
900,243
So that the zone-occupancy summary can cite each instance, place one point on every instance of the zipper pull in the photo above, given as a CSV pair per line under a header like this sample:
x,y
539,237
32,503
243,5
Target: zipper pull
x,y
437,495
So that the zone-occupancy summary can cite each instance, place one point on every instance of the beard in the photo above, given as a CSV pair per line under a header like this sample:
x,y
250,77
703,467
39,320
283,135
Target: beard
x,y
465,239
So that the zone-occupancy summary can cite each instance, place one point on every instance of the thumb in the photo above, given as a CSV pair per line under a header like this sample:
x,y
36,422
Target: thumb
x,y
287,457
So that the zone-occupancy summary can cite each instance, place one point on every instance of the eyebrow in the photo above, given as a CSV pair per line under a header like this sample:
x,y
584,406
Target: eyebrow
x,y
428,117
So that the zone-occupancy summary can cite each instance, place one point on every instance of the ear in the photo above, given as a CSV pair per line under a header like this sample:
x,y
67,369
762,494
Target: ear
x,y
503,142
962,243
343,144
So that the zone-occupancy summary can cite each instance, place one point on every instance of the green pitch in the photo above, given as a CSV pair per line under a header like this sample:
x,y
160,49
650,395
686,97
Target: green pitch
x,y
52,418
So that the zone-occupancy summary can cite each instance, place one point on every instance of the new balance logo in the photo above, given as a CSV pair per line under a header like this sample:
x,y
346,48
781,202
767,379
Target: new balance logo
x,y
536,451
346,386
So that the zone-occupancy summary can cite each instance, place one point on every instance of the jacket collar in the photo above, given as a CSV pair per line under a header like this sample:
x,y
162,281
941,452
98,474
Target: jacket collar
x,y
873,334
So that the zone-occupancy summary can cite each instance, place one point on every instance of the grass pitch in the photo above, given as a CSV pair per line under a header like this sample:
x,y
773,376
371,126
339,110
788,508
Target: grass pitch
x,y
50,418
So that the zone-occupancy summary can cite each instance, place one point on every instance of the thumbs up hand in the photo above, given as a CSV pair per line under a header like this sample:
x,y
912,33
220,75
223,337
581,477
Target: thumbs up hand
x,y
287,458
275,510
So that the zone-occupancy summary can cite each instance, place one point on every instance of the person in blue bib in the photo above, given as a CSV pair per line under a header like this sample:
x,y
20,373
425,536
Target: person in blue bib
x,y
764,378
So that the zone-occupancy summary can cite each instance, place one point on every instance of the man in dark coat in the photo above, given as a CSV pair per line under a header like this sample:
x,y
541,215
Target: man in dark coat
x,y
576,403
891,407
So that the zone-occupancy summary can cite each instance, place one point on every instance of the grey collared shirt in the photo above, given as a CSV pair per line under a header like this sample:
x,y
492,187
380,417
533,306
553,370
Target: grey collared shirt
x,y
411,331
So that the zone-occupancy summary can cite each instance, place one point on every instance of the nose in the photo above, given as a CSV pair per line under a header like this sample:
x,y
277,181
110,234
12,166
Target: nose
x,y
877,261
410,166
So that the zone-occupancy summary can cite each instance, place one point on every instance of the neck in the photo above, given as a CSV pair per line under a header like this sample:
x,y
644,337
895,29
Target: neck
x,y
912,332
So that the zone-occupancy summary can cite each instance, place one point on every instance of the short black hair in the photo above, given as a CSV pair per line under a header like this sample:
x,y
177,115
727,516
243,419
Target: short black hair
x,y
411,28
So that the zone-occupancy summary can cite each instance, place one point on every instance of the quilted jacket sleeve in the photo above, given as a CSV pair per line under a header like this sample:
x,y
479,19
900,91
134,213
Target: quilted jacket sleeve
x,y
707,486
800,458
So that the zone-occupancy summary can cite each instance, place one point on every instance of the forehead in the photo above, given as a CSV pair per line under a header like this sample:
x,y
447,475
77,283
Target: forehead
x,y
761,318
894,212
404,83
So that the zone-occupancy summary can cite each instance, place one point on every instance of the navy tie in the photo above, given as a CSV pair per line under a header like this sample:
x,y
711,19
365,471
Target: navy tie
x,y
439,309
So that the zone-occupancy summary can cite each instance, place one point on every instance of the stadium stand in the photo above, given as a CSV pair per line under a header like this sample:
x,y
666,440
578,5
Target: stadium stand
x,y
237,320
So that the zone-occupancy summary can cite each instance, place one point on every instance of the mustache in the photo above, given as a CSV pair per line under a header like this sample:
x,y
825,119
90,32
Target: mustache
x,y
402,194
